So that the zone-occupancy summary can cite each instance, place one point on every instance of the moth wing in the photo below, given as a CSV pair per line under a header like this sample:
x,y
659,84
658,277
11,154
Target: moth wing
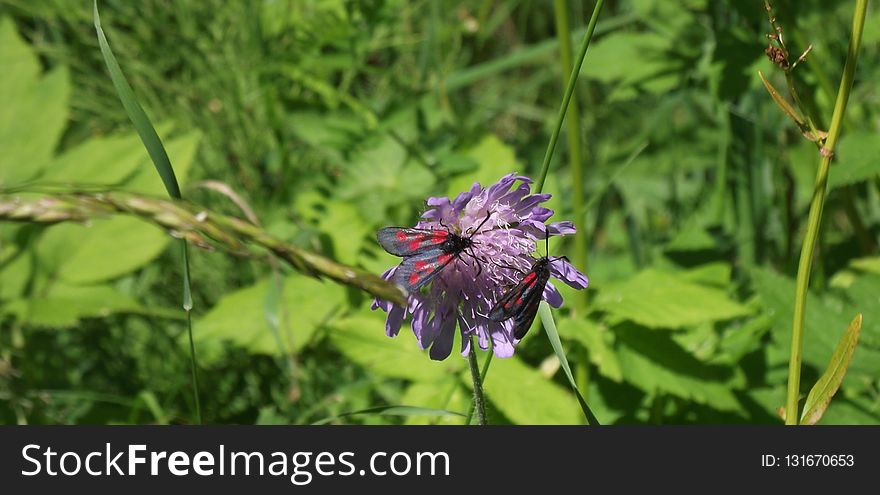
x,y
416,271
401,241
522,322
510,303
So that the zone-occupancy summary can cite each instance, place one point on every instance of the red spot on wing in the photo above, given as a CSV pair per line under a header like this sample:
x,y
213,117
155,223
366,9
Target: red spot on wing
x,y
423,266
444,258
530,278
519,300
439,237
413,278
401,235
508,304
415,243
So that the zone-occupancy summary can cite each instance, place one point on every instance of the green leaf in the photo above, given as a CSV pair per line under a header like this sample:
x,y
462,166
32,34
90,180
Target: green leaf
x,y
394,411
362,339
869,264
667,300
341,222
448,394
240,317
381,176
820,395
494,159
102,250
33,109
856,159
716,274
138,117
776,294
107,248
103,160
21,63
592,336
15,272
64,305
524,396
553,337
653,361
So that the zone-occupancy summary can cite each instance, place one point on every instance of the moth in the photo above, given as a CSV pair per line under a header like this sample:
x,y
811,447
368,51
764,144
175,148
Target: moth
x,y
426,252
521,302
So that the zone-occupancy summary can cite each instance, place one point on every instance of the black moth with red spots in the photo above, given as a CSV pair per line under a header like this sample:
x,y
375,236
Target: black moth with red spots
x,y
521,302
425,252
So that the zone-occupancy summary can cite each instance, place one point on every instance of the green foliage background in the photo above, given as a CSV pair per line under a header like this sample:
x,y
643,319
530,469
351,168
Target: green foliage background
x,y
334,118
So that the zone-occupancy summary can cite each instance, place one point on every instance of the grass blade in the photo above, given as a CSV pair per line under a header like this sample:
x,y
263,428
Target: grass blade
x,y
393,411
159,156
566,98
553,336
826,386
136,113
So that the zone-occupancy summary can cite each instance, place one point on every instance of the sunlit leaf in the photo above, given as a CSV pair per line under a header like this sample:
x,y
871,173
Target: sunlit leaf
x,y
857,158
240,316
553,337
524,396
362,339
33,108
653,361
494,159
825,388
666,300
592,336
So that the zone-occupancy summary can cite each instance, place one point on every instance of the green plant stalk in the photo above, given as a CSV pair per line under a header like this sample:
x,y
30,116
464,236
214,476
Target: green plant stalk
x,y
566,98
194,224
815,216
154,147
483,373
573,137
479,400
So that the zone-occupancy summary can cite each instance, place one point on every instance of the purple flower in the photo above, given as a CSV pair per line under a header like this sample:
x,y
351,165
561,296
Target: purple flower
x,y
465,291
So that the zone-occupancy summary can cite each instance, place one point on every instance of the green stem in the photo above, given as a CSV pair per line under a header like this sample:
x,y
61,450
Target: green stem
x,y
816,206
566,98
573,130
187,306
479,400
486,363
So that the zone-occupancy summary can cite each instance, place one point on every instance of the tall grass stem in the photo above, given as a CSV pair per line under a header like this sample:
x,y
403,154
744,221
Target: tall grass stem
x,y
566,98
817,204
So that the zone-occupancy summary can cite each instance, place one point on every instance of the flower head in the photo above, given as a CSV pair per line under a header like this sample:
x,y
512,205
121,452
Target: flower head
x,y
504,222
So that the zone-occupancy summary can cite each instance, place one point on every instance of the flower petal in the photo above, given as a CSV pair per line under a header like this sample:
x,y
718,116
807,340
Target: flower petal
x,y
394,320
465,347
502,342
443,343
561,228
552,296
420,323
563,270
464,198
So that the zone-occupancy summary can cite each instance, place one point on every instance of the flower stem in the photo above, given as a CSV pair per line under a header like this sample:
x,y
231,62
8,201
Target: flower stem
x,y
479,401
566,98
815,216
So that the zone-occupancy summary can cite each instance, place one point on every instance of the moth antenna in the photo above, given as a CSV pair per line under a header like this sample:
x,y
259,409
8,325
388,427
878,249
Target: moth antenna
x,y
488,214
